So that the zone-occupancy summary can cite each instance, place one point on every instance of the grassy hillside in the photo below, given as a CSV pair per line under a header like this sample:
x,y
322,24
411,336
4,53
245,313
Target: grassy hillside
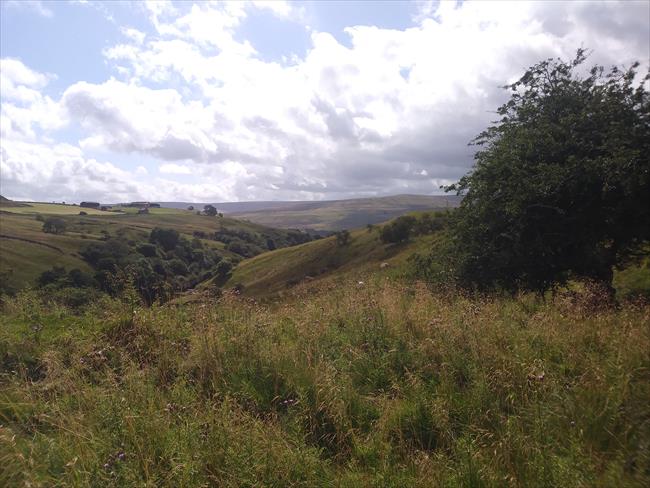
x,y
49,209
274,271
345,214
26,251
10,203
388,385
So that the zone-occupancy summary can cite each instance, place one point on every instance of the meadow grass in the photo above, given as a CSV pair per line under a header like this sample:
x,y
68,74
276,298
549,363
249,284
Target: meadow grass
x,y
385,384
273,272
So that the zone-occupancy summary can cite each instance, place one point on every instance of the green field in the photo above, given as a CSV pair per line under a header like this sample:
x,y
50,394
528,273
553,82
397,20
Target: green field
x,y
49,209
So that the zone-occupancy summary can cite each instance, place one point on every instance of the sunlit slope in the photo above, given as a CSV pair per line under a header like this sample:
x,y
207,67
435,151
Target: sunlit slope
x,y
26,251
275,271
46,208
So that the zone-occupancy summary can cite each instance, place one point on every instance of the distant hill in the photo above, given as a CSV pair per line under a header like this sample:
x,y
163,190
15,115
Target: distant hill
x,y
5,202
328,214
231,207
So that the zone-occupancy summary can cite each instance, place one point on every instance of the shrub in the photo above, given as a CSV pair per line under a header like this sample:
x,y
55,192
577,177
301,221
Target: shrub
x,y
147,250
54,225
54,275
343,238
397,231
167,238
177,267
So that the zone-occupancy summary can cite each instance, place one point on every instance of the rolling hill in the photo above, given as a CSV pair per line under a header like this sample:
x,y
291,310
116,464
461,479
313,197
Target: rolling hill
x,y
344,214
327,215
26,251
365,255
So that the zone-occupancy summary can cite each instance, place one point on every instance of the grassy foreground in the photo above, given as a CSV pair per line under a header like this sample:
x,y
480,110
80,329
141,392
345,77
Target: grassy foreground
x,y
385,384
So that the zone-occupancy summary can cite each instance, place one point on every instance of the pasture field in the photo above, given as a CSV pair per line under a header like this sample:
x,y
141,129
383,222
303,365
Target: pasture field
x,y
49,209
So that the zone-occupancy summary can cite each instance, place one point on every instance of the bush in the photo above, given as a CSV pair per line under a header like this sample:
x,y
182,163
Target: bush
x,y
342,238
147,250
223,271
80,279
177,267
54,225
167,238
398,231
54,275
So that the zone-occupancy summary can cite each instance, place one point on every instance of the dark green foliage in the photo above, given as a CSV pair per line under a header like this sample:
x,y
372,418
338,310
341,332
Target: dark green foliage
x,y
210,210
166,238
58,277
244,249
74,289
168,263
342,238
147,250
295,237
429,223
54,225
398,230
111,248
248,244
80,279
6,288
178,267
223,271
57,273
561,184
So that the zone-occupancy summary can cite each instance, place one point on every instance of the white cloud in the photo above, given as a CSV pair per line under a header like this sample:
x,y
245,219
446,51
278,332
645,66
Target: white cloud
x,y
395,110
133,34
24,108
392,111
174,169
60,172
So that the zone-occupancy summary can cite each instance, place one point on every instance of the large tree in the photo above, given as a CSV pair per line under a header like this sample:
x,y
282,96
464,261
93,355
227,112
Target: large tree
x,y
561,183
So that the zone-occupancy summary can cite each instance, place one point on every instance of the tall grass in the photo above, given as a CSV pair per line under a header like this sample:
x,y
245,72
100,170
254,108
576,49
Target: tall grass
x,y
384,384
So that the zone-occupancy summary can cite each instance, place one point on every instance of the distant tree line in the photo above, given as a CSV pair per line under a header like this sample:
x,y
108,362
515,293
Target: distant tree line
x,y
164,264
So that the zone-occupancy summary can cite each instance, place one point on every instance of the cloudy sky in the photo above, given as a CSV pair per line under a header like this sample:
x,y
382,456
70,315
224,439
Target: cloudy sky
x,y
257,100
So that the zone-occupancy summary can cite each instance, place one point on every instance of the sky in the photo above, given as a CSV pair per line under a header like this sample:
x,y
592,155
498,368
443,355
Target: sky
x,y
270,100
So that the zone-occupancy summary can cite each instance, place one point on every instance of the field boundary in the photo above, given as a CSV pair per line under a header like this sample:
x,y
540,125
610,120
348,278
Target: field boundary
x,y
4,236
